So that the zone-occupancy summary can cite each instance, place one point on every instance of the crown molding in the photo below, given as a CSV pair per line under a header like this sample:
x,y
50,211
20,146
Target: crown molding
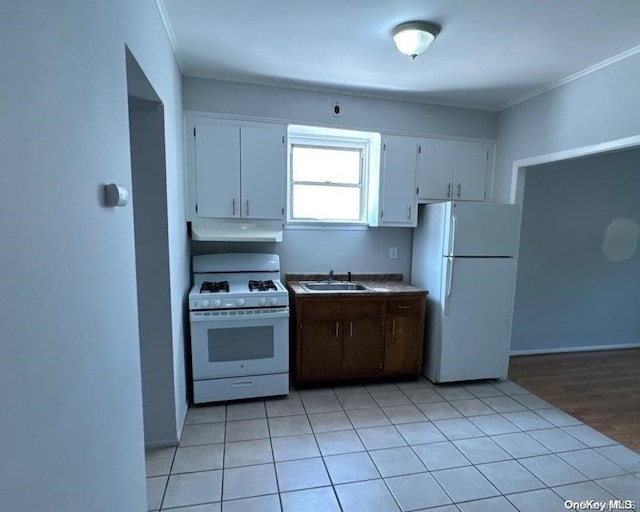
x,y
575,76
170,34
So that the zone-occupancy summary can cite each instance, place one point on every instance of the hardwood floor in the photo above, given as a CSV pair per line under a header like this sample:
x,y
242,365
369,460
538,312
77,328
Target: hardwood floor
x,y
602,388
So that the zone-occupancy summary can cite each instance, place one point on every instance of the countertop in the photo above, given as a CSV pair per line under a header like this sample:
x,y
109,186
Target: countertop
x,y
380,284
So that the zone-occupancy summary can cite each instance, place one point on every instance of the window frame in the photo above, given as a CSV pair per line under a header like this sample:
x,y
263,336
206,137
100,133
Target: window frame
x,y
331,138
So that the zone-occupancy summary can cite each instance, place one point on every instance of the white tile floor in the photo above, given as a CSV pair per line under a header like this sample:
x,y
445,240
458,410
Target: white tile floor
x,y
406,446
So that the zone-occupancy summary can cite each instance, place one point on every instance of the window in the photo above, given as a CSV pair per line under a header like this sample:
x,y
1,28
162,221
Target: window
x,y
328,172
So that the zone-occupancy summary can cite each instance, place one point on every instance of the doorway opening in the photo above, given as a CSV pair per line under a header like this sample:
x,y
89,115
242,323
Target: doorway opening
x,y
149,200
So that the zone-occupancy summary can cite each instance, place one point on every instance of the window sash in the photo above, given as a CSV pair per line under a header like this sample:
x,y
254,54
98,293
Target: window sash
x,y
324,146
358,147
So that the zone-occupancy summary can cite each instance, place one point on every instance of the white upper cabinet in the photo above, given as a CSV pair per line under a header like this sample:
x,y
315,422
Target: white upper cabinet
x,y
470,171
453,170
398,198
238,170
217,166
435,168
263,171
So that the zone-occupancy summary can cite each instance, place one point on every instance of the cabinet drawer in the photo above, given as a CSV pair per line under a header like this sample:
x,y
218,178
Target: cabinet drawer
x,y
345,308
405,306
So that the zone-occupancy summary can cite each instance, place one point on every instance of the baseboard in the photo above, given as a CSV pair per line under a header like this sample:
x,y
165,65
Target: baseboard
x,y
160,444
590,348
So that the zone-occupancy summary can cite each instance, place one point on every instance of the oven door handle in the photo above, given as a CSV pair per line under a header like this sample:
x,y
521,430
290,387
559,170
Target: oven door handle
x,y
236,315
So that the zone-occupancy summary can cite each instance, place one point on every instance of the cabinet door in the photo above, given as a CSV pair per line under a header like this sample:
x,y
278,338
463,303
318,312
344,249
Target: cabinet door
x,y
362,347
262,164
470,171
403,345
435,169
398,197
217,158
321,357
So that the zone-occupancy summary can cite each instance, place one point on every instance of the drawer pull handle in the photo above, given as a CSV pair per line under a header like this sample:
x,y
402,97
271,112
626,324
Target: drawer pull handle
x,y
242,384
337,330
404,307
393,327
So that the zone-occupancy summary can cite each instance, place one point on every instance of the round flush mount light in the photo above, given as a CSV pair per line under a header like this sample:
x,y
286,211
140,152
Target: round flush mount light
x,y
414,37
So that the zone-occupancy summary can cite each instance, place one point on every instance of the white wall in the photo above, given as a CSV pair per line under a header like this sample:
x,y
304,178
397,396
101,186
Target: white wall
x,y
600,107
320,250
569,293
71,428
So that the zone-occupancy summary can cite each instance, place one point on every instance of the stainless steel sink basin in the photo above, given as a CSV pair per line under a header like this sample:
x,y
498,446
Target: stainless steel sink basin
x,y
334,286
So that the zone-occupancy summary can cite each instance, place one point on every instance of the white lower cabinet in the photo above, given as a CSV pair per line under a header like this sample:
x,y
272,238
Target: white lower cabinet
x,y
453,170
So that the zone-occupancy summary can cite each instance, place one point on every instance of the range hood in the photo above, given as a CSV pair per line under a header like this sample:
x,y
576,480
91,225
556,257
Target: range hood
x,y
206,230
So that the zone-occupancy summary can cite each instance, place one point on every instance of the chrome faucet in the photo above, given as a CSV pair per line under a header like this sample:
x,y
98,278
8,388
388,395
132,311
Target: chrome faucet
x,y
331,275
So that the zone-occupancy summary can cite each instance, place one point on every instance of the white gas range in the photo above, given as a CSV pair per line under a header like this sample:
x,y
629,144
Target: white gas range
x,y
239,316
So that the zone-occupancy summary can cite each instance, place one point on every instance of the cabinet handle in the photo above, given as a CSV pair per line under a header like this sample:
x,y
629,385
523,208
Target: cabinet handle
x,y
337,329
350,329
233,207
459,189
404,307
449,190
409,212
247,207
393,327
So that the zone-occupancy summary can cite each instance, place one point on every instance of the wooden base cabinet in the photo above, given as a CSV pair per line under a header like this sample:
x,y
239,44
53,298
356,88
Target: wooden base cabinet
x,y
321,349
362,347
404,325
360,337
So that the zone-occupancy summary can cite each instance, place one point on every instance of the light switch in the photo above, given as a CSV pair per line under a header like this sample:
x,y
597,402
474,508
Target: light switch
x,y
393,253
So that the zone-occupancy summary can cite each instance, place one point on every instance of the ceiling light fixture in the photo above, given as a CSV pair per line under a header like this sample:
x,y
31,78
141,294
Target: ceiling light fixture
x,y
414,37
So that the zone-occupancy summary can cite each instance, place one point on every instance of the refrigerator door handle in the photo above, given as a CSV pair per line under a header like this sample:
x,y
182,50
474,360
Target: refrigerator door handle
x,y
449,284
452,235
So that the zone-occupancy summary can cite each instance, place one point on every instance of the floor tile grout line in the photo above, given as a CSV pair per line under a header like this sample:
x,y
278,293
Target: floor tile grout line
x,y
166,485
224,453
273,458
584,450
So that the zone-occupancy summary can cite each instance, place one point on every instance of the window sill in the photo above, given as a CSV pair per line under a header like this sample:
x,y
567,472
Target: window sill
x,y
337,226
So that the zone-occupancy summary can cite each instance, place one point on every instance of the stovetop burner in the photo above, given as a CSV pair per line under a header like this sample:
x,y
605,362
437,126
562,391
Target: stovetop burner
x,y
262,286
214,287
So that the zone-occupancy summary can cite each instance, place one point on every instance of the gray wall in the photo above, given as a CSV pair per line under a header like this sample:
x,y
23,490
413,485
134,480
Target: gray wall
x,y
301,106
311,251
569,294
596,108
319,250
71,428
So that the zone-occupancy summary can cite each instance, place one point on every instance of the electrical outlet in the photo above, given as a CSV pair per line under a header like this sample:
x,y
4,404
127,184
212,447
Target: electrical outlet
x,y
393,253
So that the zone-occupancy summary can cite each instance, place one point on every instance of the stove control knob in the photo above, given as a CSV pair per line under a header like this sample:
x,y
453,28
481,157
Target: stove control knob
x,y
240,302
205,303
273,301
217,303
262,301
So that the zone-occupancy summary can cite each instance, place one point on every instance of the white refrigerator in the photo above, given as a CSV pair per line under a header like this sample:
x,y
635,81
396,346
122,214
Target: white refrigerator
x,y
464,254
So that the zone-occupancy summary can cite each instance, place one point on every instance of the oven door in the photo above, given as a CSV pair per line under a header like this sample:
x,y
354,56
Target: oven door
x,y
237,342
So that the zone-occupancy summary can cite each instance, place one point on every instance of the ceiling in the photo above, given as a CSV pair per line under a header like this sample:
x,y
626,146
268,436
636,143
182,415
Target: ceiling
x,y
489,54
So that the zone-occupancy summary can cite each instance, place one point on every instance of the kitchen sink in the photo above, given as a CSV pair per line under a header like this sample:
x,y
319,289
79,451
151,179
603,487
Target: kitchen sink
x,y
334,286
